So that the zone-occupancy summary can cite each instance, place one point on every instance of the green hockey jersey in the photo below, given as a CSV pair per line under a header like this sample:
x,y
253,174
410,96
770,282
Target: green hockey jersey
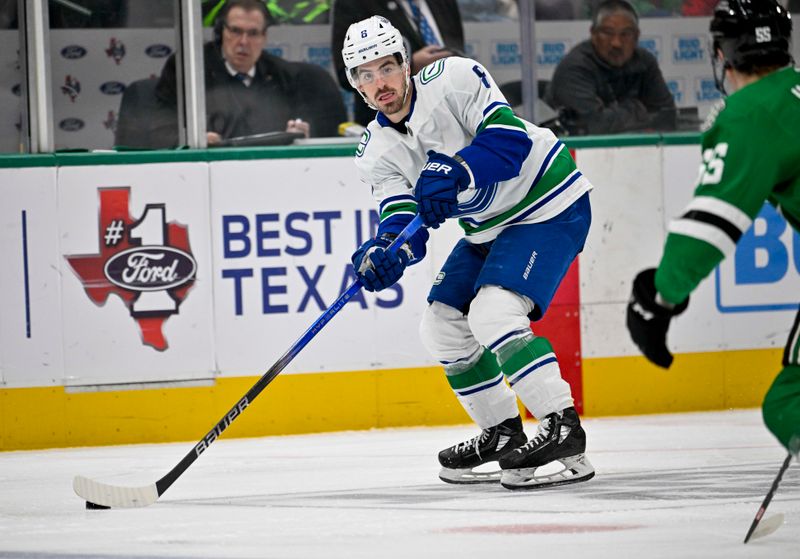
x,y
751,154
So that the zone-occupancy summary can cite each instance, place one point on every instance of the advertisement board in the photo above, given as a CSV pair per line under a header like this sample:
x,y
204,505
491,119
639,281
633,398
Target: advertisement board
x,y
283,232
135,273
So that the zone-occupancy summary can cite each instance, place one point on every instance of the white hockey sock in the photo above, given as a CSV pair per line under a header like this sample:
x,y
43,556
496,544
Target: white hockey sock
x,y
531,367
472,371
483,391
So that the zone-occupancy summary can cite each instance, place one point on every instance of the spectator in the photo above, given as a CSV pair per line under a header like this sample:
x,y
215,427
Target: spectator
x,y
431,30
249,91
608,84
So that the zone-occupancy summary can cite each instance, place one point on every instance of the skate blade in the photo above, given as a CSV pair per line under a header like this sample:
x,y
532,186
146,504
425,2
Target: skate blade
x,y
467,476
575,470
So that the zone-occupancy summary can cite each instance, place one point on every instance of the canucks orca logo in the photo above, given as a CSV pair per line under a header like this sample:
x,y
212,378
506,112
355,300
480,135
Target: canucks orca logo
x,y
362,145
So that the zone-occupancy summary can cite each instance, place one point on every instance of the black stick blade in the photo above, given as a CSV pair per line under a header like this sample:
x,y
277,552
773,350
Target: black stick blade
x,y
94,506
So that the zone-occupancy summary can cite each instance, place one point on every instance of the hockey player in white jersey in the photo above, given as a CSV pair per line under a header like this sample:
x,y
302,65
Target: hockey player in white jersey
x,y
445,144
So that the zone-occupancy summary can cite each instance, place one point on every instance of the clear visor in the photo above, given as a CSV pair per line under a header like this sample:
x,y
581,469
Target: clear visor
x,y
386,72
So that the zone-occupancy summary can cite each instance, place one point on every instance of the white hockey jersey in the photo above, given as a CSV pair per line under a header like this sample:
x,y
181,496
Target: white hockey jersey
x,y
520,173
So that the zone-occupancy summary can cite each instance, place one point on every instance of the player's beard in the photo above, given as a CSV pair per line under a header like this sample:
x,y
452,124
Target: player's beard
x,y
394,106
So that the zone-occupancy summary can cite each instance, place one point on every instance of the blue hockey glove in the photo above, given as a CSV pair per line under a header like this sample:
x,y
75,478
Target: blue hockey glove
x,y
378,268
648,321
439,183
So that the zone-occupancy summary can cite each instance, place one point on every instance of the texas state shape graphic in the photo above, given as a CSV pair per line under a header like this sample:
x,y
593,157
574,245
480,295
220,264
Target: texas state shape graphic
x,y
146,262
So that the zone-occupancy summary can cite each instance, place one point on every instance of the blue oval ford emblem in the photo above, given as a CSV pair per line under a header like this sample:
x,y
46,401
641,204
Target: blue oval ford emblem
x,y
112,88
152,268
71,124
73,51
158,51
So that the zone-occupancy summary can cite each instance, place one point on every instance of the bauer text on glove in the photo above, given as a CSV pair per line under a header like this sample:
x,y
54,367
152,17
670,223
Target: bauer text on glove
x,y
437,188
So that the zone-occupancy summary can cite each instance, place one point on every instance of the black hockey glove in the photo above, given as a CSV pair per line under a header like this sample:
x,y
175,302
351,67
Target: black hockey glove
x,y
437,188
376,267
648,321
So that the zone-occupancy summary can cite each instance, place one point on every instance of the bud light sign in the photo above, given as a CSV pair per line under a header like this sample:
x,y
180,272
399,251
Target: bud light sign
x,y
688,49
550,53
705,90
506,54
764,272
318,54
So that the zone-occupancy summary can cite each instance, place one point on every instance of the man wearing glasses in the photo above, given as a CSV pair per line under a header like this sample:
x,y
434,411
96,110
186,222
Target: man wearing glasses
x,y
446,144
609,84
249,91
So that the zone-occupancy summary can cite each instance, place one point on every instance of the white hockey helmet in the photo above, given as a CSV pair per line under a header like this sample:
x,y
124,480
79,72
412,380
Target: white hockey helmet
x,y
368,40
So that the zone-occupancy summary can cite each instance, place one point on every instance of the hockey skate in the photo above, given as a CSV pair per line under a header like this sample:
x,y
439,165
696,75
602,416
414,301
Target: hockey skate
x,y
458,462
560,441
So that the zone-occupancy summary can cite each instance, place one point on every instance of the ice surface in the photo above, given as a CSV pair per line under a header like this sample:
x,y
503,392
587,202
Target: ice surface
x,y
682,485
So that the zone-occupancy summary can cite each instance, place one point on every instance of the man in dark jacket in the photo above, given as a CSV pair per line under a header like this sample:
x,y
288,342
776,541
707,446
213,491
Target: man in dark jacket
x,y
608,84
249,91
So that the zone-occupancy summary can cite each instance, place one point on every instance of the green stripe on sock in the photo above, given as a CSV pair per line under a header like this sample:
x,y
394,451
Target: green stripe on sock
x,y
485,369
522,354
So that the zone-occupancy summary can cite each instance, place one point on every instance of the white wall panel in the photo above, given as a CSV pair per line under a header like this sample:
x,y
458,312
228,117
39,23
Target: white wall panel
x,y
30,332
627,210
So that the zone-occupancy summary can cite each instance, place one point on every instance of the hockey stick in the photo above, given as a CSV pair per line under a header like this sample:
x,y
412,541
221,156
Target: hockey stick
x,y
102,495
772,523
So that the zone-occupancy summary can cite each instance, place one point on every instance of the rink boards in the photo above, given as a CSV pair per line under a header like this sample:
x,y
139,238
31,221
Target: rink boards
x,y
144,293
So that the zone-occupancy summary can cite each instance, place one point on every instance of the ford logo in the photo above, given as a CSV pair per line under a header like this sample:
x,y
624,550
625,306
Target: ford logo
x,y
150,268
73,51
71,124
112,88
158,51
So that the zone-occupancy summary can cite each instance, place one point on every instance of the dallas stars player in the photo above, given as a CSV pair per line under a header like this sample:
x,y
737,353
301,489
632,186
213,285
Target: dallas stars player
x,y
751,154
446,144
